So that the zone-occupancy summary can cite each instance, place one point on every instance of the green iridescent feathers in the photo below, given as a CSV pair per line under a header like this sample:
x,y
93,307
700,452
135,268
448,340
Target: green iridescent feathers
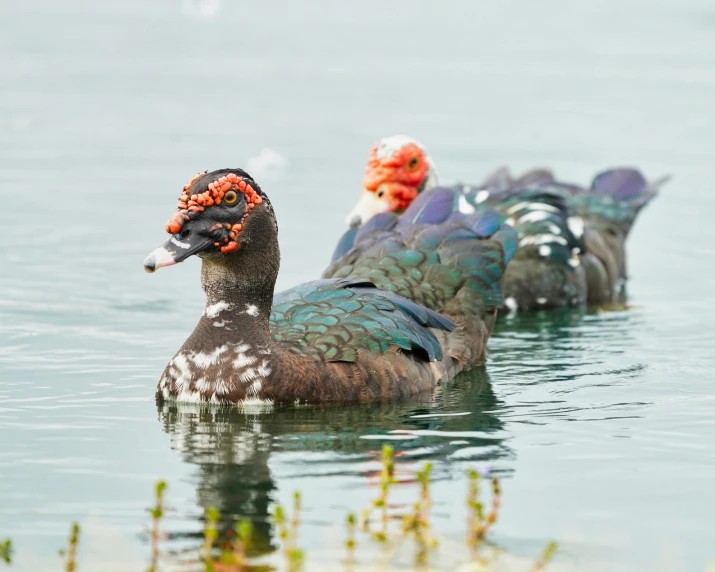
x,y
397,273
433,254
571,240
333,319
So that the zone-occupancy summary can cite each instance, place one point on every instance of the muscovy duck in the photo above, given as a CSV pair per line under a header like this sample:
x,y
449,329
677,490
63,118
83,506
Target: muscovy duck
x,y
571,239
343,339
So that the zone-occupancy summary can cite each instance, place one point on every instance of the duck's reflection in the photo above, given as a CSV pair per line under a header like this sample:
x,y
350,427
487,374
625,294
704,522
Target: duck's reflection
x,y
561,340
232,447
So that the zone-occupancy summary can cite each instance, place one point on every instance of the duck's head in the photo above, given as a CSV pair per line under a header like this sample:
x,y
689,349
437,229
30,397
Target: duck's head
x,y
398,169
220,214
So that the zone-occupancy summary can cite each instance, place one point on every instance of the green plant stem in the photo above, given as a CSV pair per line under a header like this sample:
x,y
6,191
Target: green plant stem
x,y
6,551
295,556
157,514
546,557
71,562
210,535
350,543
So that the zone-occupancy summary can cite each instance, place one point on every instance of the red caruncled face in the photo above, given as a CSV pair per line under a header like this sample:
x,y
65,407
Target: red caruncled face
x,y
396,178
226,189
397,170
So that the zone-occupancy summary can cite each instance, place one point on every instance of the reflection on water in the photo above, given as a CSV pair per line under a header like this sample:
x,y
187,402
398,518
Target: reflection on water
x,y
570,352
539,365
232,448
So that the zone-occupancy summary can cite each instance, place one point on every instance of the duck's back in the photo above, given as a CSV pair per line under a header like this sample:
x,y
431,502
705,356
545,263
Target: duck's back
x,y
439,257
545,271
571,238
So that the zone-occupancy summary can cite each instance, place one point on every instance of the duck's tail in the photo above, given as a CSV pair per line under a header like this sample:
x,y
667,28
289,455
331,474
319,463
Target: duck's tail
x,y
609,208
616,197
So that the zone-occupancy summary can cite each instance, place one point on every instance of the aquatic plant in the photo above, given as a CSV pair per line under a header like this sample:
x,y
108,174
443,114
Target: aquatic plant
x,y
387,478
6,551
478,524
350,543
288,534
235,556
416,523
546,557
210,536
157,513
70,553
232,554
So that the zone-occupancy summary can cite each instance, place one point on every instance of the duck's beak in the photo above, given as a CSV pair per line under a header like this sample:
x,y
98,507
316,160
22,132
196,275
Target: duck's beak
x,y
175,250
367,207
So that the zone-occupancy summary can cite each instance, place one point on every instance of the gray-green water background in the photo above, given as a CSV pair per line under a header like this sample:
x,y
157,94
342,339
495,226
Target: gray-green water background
x,y
602,425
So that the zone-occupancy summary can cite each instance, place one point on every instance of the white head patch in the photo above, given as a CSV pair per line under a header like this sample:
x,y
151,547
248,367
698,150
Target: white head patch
x,y
388,146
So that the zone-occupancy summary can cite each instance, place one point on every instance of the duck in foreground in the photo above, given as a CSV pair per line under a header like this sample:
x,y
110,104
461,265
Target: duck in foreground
x,y
342,339
571,239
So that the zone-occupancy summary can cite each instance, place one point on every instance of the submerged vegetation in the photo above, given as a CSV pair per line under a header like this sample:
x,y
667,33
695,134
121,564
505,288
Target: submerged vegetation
x,y
227,550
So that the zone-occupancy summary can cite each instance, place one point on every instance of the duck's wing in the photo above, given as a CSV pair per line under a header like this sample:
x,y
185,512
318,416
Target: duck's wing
x,y
381,221
431,251
442,256
331,320
615,198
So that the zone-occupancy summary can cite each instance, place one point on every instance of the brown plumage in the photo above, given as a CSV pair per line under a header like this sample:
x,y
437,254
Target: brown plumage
x,y
346,339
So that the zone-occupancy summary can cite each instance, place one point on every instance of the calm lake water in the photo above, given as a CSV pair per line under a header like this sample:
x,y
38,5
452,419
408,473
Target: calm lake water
x,y
602,425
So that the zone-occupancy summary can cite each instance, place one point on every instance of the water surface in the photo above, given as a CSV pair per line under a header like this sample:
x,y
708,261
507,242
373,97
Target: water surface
x,y
600,424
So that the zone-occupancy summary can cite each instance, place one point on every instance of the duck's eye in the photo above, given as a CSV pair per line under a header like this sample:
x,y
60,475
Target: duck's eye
x,y
414,162
380,193
230,197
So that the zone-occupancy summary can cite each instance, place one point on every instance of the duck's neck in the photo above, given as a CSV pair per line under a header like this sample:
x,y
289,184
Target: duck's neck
x,y
230,355
431,178
239,295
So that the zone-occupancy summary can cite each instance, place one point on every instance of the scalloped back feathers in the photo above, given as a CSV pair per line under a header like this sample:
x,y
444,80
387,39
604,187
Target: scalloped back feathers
x,y
440,258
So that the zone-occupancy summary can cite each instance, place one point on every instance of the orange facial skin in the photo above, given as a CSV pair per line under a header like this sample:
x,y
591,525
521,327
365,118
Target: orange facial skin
x,y
396,179
190,206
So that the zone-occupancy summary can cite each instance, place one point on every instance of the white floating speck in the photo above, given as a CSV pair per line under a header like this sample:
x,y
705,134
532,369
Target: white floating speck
x,y
267,164
204,9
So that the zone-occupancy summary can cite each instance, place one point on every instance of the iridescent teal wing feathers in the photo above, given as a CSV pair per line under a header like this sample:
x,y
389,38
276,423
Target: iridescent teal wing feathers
x,y
440,258
332,320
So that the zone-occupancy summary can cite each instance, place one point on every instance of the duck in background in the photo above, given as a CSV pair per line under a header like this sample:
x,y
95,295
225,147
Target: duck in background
x,y
422,316
571,239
